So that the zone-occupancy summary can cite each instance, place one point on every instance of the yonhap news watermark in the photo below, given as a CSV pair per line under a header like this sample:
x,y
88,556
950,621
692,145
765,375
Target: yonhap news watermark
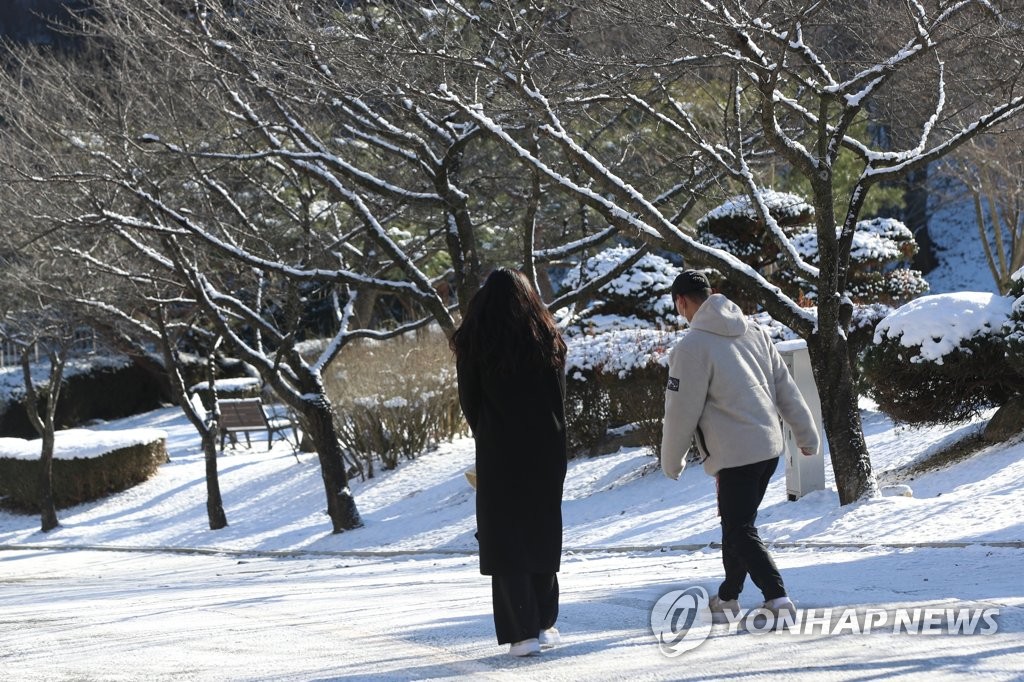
x,y
681,620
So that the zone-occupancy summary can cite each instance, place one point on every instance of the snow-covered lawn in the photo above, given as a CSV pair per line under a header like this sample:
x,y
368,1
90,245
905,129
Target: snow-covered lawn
x,y
276,596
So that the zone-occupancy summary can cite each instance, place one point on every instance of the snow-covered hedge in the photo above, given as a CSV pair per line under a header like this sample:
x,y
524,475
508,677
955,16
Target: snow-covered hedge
x,y
87,465
615,381
943,358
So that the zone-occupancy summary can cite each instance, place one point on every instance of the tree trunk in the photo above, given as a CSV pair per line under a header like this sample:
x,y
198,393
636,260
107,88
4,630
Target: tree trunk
x,y
318,423
915,217
214,504
45,428
48,511
204,426
840,412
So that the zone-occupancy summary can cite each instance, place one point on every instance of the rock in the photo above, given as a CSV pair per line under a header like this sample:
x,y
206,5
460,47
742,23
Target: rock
x,y
897,491
1007,422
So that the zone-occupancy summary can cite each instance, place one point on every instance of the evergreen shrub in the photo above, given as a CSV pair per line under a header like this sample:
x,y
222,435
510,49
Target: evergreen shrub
x,y
967,366
1015,325
605,410
970,379
615,389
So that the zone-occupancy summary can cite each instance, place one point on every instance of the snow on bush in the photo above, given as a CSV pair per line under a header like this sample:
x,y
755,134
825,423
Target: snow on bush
x,y
934,326
866,317
783,206
643,291
880,250
879,240
879,246
1015,325
618,351
735,227
88,465
616,378
80,443
944,358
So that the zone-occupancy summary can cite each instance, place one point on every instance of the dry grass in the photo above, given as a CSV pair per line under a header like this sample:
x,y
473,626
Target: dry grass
x,y
395,398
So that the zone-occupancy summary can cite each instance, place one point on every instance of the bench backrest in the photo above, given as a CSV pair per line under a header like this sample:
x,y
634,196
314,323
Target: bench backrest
x,y
240,414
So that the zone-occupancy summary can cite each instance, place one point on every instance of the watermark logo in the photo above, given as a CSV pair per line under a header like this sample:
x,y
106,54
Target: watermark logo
x,y
931,620
681,620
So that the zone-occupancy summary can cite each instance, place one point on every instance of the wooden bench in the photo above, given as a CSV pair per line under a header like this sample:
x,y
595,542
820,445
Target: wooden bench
x,y
243,415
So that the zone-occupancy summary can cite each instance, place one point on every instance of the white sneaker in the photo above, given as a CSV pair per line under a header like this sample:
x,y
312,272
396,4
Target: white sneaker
x,y
723,609
527,647
550,637
783,606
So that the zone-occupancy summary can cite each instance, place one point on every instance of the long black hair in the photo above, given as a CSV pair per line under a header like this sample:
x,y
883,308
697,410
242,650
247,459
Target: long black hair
x,y
507,327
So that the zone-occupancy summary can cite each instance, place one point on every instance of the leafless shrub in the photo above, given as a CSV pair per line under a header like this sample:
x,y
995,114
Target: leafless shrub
x,y
396,398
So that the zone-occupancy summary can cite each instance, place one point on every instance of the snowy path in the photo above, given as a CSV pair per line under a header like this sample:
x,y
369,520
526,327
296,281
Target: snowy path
x,y
89,615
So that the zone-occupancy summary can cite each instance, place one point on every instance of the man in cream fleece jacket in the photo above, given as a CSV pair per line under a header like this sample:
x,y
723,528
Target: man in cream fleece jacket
x,y
727,387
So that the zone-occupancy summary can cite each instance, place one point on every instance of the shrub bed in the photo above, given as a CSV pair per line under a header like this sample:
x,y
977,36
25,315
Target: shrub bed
x,y
615,385
78,479
604,411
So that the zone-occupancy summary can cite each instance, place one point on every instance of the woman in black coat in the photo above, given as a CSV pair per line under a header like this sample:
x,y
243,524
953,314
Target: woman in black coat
x,y
511,368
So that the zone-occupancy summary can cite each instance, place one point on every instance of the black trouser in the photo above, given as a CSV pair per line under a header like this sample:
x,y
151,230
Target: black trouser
x,y
740,491
524,604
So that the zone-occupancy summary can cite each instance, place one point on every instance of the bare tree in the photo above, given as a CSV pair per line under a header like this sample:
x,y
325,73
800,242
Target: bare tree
x,y
420,130
222,250
46,330
37,319
992,171
789,95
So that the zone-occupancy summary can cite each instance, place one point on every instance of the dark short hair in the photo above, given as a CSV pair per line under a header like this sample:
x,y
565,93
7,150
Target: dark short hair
x,y
691,282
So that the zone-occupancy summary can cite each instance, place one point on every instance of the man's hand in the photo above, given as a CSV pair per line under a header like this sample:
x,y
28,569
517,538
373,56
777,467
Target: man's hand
x,y
807,452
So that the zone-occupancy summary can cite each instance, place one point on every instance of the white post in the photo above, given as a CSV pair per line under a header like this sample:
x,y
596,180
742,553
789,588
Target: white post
x,y
804,474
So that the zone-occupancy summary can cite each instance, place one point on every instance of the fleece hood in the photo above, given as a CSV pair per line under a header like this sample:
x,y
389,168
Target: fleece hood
x,y
720,316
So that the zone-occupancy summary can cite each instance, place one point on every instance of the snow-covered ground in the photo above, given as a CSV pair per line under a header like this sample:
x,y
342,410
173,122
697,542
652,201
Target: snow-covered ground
x,y
276,596
961,257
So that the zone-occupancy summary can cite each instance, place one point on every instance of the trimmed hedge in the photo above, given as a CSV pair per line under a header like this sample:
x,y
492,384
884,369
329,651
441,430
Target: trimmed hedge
x,y
105,392
943,359
599,404
80,480
970,379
